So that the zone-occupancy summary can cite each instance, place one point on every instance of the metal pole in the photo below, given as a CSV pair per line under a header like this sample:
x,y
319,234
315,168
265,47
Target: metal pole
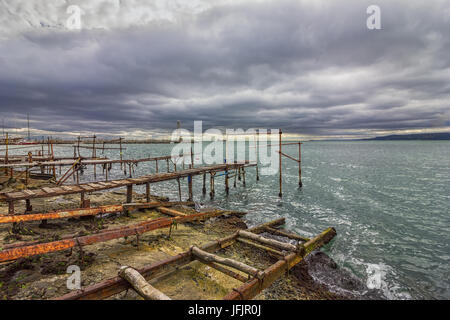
x,y
300,184
281,179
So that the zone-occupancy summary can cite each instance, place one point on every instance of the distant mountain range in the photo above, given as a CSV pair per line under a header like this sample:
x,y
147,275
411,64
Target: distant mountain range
x,y
416,136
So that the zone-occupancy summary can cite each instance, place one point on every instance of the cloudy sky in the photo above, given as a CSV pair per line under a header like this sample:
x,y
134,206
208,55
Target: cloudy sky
x,y
310,67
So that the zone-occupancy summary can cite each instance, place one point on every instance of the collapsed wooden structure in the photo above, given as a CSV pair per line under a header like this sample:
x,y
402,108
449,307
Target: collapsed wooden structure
x,y
27,249
254,280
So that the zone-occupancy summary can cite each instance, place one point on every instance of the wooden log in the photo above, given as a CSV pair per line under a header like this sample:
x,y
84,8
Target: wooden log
x,y
251,288
212,258
140,285
171,212
227,271
286,234
266,241
259,246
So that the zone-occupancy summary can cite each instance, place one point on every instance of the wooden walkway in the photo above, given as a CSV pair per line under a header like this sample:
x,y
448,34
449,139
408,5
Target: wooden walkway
x,y
72,161
11,197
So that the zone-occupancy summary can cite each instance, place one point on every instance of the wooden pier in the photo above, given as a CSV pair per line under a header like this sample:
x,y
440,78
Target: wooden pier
x,y
82,189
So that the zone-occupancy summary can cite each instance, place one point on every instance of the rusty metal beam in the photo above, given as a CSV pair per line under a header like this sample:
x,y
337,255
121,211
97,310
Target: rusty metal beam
x,y
35,249
86,211
251,288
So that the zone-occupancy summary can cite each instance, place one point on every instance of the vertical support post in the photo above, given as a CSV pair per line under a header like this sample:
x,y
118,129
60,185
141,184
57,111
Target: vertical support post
x,y
279,160
11,207
78,145
257,154
156,161
82,199
211,184
168,167
179,189
243,176
227,188
147,191
28,207
94,155
192,155
6,153
53,159
129,193
190,188
300,184
129,197
204,183
120,142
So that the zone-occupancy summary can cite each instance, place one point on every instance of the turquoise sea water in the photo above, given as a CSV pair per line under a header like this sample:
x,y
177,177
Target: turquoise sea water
x,y
389,202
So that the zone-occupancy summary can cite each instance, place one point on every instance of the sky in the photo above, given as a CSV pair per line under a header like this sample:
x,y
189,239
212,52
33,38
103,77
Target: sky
x,y
312,68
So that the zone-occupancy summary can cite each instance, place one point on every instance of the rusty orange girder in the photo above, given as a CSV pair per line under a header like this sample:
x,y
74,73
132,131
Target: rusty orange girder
x,y
136,229
251,288
61,214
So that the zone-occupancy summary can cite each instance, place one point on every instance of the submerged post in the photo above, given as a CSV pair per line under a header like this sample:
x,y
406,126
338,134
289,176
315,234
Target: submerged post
x,y
179,189
6,153
204,183
94,155
121,154
147,191
300,184
190,188
257,152
227,188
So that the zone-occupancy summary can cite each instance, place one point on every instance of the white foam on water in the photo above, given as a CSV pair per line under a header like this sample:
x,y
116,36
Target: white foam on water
x,y
377,279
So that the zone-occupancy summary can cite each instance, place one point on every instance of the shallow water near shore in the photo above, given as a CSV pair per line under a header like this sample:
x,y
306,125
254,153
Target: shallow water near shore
x,y
388,200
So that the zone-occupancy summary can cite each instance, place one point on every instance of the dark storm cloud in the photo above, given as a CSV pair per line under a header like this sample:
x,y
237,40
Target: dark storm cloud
x,y
307,66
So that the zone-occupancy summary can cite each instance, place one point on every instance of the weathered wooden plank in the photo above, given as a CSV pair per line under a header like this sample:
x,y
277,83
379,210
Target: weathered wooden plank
x,y
86,188
48,190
